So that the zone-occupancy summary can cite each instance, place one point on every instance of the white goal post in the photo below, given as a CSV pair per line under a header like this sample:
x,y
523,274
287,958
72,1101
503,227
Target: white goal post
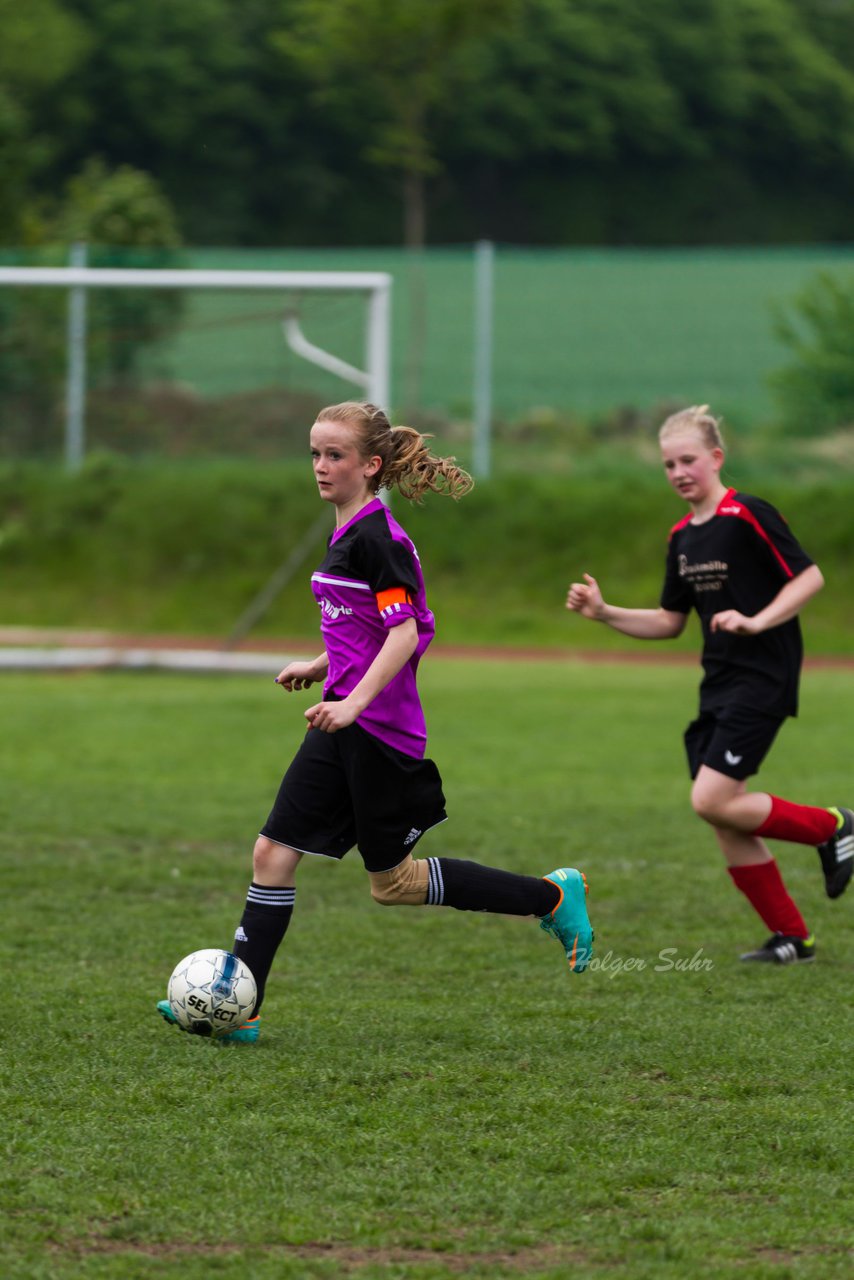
x,y
373,379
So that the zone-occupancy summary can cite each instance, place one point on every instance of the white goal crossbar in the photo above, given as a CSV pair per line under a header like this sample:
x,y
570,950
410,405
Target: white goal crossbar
x,y
374,378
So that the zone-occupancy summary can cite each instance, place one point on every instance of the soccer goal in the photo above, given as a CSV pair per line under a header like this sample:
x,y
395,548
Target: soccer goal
x,y
153,359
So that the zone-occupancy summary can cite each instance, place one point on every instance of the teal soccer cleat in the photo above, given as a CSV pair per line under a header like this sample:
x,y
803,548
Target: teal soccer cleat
x,y
164,1008
247,1034
569,921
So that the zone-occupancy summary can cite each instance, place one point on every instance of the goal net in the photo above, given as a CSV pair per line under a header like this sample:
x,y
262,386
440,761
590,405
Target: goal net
x,y
183,363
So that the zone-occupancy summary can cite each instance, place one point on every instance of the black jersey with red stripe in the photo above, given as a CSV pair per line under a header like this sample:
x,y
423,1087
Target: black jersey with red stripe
x,y
739,559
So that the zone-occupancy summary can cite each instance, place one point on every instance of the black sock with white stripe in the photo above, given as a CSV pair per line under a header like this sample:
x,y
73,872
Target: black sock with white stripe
x,y
468,886
262,927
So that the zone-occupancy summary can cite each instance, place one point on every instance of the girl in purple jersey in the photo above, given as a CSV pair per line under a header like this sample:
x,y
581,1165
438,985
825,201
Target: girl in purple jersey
x,y
734,559
360,776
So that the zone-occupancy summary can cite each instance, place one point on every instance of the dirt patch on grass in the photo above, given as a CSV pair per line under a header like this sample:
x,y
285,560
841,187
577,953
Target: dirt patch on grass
x,y
791,1257
347,1257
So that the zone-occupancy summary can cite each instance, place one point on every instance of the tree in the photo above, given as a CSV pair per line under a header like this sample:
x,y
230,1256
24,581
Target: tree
x,y
120,212
124,211
40,45
184,91
386,65
815,391
686,106
311,121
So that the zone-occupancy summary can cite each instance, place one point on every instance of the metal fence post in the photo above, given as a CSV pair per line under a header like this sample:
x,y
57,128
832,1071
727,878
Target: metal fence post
x,y
484,270
75,388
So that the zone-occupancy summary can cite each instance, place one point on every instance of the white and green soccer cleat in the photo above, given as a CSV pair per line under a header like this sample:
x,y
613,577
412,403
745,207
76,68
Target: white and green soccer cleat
x,y
782,949
569,921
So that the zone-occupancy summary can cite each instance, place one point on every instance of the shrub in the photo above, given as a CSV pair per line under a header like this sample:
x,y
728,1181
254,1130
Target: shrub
x,y
815,391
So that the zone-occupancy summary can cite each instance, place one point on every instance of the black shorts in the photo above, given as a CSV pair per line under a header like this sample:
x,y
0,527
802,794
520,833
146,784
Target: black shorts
x,y
348,788
733,740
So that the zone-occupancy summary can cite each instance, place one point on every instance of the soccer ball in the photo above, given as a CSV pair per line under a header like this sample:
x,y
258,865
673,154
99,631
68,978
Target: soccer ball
x,y
211,992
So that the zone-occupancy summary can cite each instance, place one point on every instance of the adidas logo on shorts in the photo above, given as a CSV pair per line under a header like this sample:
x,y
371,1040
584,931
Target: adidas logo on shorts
x,y
413,835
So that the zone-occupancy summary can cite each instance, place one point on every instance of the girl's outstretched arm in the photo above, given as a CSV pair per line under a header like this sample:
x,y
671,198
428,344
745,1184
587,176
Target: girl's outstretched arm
x,y
644,624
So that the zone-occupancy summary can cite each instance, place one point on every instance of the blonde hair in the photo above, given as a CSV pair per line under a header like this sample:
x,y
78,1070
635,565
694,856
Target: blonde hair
x,y
698,418
406,460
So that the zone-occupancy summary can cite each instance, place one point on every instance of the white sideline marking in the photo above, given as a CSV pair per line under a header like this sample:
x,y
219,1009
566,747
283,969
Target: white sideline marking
x,y
100,658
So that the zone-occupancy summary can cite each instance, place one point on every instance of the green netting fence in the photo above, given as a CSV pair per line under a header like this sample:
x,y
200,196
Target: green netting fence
x,y
574,332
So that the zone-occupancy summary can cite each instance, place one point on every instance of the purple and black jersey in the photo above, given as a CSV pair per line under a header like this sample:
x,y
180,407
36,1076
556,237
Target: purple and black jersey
x,y
370,580
739,559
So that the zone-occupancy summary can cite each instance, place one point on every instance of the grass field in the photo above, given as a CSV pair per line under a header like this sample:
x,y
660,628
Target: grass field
x,y
433,1094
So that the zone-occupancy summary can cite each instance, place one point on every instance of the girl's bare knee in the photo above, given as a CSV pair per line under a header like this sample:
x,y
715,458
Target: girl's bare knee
x,y
273,863
705,806
261,855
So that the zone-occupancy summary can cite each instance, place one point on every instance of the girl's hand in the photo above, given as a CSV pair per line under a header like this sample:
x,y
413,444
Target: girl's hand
x,y
297,675
736,623
329,717
586,598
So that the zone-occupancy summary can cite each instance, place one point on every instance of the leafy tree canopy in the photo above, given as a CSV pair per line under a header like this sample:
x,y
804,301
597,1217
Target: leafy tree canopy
x,y
292,120
40,44
596,78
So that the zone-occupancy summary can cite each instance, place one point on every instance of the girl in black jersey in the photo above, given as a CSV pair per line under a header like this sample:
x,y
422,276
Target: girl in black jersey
x,y
360,776
734,559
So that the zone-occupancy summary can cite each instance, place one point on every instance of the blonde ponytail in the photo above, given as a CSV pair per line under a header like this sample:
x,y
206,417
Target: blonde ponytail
x,y
408,464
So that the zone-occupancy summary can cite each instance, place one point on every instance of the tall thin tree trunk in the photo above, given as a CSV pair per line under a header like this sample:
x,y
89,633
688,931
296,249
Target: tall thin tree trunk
x,y
414,234
414,217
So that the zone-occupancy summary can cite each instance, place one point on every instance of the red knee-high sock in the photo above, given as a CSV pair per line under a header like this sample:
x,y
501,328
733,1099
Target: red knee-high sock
x,y
762,885
800,823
